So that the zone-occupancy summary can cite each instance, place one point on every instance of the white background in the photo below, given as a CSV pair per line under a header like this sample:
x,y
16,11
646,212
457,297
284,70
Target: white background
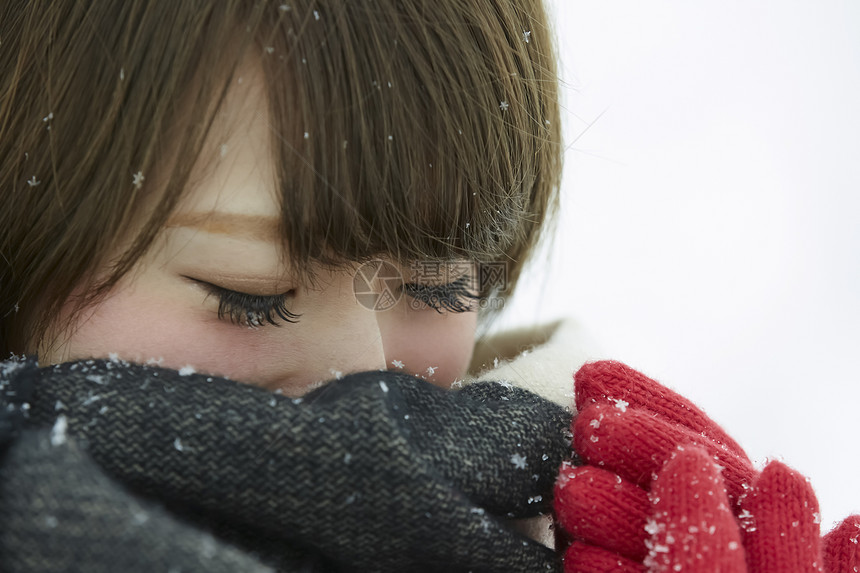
x,y
710,230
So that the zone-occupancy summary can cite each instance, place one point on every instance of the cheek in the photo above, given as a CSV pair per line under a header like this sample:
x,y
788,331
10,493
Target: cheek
x,y
437,347
139,328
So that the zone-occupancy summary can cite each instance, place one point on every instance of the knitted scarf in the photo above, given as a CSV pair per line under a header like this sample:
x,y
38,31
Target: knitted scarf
x,y
110,466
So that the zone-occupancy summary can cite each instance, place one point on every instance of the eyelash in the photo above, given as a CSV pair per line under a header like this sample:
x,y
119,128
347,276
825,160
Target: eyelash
x,y
251,310
254,311
451,297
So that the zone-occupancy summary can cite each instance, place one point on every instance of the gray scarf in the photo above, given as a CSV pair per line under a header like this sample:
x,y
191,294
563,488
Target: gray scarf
x,y
110,466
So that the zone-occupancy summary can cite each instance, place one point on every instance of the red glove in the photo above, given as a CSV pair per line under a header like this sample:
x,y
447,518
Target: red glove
x,y
665,489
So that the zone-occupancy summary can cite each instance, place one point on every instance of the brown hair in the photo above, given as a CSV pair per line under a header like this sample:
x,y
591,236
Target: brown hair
x,y
422,129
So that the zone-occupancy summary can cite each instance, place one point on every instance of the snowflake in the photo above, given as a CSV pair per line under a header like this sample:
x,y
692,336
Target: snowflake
x,y
187,370
519,461
526,35
58,432
137,180
397,364
91,398
504,105
254,319
33,182
621,405
96,378
384,386
178,445
651,527
431,370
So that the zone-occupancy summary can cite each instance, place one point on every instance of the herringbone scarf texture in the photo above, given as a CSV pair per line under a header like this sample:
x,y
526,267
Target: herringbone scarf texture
x,y
132,468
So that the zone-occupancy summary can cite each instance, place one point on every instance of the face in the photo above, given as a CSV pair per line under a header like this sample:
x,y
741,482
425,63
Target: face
x,y
205,293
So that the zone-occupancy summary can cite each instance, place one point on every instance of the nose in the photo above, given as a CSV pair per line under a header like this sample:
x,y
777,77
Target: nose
x,y
339,335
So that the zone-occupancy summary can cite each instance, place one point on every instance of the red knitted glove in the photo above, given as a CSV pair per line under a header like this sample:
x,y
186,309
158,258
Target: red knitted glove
x,y
665,489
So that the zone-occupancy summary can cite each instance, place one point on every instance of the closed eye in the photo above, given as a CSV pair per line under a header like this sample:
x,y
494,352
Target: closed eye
x,y
454,297
250,310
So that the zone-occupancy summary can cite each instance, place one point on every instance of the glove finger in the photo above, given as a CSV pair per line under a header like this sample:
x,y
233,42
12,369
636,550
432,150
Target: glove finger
x,y
840,548
608,381
599,507
780,519
693,528
635,444
581,557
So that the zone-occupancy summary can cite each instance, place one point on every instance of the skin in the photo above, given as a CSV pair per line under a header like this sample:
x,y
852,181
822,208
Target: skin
x,y
225,233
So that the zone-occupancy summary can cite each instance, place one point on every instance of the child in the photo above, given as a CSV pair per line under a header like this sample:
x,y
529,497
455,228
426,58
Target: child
x,y
208,187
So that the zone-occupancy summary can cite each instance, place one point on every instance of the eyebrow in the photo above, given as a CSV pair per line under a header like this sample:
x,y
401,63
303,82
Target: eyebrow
x,y
239,225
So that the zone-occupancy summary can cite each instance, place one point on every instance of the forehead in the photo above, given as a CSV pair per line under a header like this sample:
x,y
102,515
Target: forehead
x,y
234,173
